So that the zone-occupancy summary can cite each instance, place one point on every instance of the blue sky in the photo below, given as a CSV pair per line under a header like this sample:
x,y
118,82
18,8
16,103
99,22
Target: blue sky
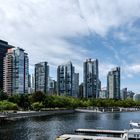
x,y
57,31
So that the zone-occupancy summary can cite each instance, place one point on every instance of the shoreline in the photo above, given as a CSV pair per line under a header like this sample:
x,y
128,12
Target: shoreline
x,y
11,116
107,110
29,114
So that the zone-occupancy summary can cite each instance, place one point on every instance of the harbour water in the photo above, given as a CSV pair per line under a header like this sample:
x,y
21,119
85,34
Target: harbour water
x,y
48,128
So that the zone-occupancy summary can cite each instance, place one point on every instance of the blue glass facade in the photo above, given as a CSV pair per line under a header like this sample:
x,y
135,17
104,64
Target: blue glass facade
x,y
19,65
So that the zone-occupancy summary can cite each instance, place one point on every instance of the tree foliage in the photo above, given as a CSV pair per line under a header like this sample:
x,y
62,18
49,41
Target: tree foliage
x,y
39,100
3,95
5,105
37,106
37,96
21,100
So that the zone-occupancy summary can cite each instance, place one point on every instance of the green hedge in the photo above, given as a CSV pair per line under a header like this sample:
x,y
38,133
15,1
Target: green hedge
x,y
37,106
5,105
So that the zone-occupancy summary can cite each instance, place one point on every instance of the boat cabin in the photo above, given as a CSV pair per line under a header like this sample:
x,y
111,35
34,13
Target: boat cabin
x,y
134,134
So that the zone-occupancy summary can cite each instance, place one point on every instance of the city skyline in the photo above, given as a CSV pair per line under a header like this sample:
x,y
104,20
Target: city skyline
x,y
56,32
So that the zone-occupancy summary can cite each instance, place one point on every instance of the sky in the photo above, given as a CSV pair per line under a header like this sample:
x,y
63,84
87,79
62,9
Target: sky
x,y
57,31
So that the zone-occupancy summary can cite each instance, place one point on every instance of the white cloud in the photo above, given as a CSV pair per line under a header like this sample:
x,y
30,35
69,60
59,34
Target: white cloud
x,y
131,70
104,68
41,26
101,16
122,36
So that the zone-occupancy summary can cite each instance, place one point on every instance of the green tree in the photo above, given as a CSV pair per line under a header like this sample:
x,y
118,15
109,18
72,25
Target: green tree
x,y
38,96
48,102
3,95
5,105
14,98
21,100
24,102
37,106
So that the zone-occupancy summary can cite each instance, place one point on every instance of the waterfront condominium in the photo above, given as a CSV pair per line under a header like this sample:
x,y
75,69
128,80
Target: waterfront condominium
x,y
4,46
123,93
41,77
113,83
52,86
91,79
67,80
16,71
75,85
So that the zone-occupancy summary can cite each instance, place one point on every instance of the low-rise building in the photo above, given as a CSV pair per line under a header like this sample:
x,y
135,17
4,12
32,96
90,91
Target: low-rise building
x,y
136,97
103,93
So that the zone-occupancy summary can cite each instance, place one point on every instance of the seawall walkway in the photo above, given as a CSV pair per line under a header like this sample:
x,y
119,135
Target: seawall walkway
x,y
107,109
25,114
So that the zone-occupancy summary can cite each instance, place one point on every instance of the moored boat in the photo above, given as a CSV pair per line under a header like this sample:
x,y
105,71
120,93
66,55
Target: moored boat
x,y
134,124
98,134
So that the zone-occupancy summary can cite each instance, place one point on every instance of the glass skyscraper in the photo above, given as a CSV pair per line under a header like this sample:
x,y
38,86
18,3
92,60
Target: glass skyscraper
x,y
75,85
16,71
67,80
4,46
113,83
41,77
91,79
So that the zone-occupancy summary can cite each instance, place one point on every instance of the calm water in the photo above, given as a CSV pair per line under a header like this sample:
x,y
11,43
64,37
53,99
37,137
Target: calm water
x,y
48,128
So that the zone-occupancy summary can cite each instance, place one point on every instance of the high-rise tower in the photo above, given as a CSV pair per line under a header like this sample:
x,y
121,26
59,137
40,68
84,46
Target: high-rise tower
x,y
113,83
67,80
91,79
4,46
41,77
16,71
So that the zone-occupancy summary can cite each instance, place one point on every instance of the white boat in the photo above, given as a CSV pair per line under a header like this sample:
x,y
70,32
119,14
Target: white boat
x,y
98,134
134,124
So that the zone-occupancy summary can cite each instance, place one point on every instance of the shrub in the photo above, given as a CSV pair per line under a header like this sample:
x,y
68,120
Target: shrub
x,y
37,97
37,106
5,105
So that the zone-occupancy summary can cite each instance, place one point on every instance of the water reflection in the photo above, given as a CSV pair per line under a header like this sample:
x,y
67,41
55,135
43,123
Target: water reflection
x,y
48,128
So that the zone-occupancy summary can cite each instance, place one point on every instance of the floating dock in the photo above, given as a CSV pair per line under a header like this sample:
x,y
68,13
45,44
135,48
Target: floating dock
x,y
99,131
95,134
83,137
